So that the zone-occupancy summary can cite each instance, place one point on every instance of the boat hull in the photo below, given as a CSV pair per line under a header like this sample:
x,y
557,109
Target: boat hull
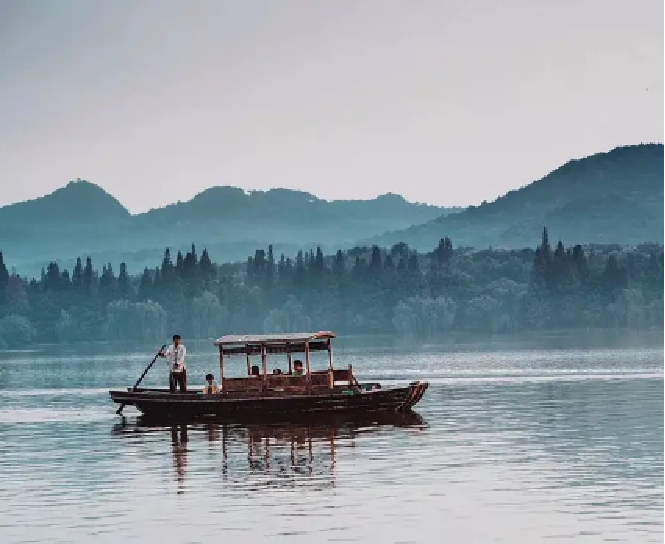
x,y
163,404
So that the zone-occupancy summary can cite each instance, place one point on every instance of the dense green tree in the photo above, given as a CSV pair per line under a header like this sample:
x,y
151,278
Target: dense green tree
x,y
124,286
4,277
16,331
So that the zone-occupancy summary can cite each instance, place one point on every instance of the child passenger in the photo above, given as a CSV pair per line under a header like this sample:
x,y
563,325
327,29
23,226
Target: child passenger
x,y
210,387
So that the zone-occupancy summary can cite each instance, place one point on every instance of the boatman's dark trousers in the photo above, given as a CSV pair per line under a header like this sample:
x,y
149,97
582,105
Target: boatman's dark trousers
x,y
178,378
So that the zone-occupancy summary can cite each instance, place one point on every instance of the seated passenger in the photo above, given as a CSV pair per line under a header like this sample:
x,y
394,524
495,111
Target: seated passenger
x,y
255,371
211,387
297,368
276,371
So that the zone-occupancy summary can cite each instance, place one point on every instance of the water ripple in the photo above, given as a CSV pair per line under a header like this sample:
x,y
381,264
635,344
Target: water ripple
x,y
511,447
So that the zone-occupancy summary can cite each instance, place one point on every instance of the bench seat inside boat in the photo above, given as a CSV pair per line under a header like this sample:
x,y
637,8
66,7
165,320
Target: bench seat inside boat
x,y
285,382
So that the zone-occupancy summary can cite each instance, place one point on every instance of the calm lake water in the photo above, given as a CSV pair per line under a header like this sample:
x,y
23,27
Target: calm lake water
x,y
548,438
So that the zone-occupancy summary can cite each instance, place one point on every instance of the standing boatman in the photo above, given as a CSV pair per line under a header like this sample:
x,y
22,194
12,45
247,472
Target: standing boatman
x,y
177,367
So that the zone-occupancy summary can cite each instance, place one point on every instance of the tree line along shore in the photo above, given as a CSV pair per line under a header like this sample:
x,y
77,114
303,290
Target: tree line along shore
x,y
366,290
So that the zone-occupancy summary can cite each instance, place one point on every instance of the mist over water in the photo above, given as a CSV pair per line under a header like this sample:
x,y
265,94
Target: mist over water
x,y
548,437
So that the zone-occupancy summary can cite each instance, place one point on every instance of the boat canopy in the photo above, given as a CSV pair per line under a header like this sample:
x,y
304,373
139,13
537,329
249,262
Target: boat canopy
x,y
274,343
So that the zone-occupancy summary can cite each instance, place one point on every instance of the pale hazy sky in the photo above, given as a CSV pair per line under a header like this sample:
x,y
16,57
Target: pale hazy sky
x,y
447,102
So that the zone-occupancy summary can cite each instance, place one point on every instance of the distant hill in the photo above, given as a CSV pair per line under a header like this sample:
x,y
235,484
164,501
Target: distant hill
x,y
613,197
82,219
80,216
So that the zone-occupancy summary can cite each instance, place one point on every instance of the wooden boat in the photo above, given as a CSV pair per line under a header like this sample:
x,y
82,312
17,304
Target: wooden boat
x,y
262,395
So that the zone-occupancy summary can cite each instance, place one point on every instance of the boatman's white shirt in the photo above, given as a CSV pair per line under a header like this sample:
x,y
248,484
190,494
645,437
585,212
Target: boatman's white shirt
x,y
176,357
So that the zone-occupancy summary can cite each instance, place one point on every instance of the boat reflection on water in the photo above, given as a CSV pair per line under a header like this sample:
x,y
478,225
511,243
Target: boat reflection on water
x,y
179,447
289,454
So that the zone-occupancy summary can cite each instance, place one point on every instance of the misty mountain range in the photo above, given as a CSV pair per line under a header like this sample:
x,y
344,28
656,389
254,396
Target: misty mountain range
x,y
82,219
614,197
607,198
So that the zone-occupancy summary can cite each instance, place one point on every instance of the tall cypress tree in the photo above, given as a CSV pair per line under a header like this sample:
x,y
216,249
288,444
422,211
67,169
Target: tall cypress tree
x,y
338,264
270,268
123,280
4,278
77,274
88,275
206,267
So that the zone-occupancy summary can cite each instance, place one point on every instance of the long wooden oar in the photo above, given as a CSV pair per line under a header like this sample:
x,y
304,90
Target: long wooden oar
x,y
119,410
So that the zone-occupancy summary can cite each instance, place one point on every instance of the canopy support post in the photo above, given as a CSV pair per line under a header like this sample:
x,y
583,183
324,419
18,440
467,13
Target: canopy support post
x,y
331,372
264,365
221,367
290,357
307,370
249,363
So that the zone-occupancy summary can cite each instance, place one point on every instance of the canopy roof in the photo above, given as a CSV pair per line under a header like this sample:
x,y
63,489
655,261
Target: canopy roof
x,y
274,343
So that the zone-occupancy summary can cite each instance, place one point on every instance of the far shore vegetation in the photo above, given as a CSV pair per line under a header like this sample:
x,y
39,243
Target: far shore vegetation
x,y
365,290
